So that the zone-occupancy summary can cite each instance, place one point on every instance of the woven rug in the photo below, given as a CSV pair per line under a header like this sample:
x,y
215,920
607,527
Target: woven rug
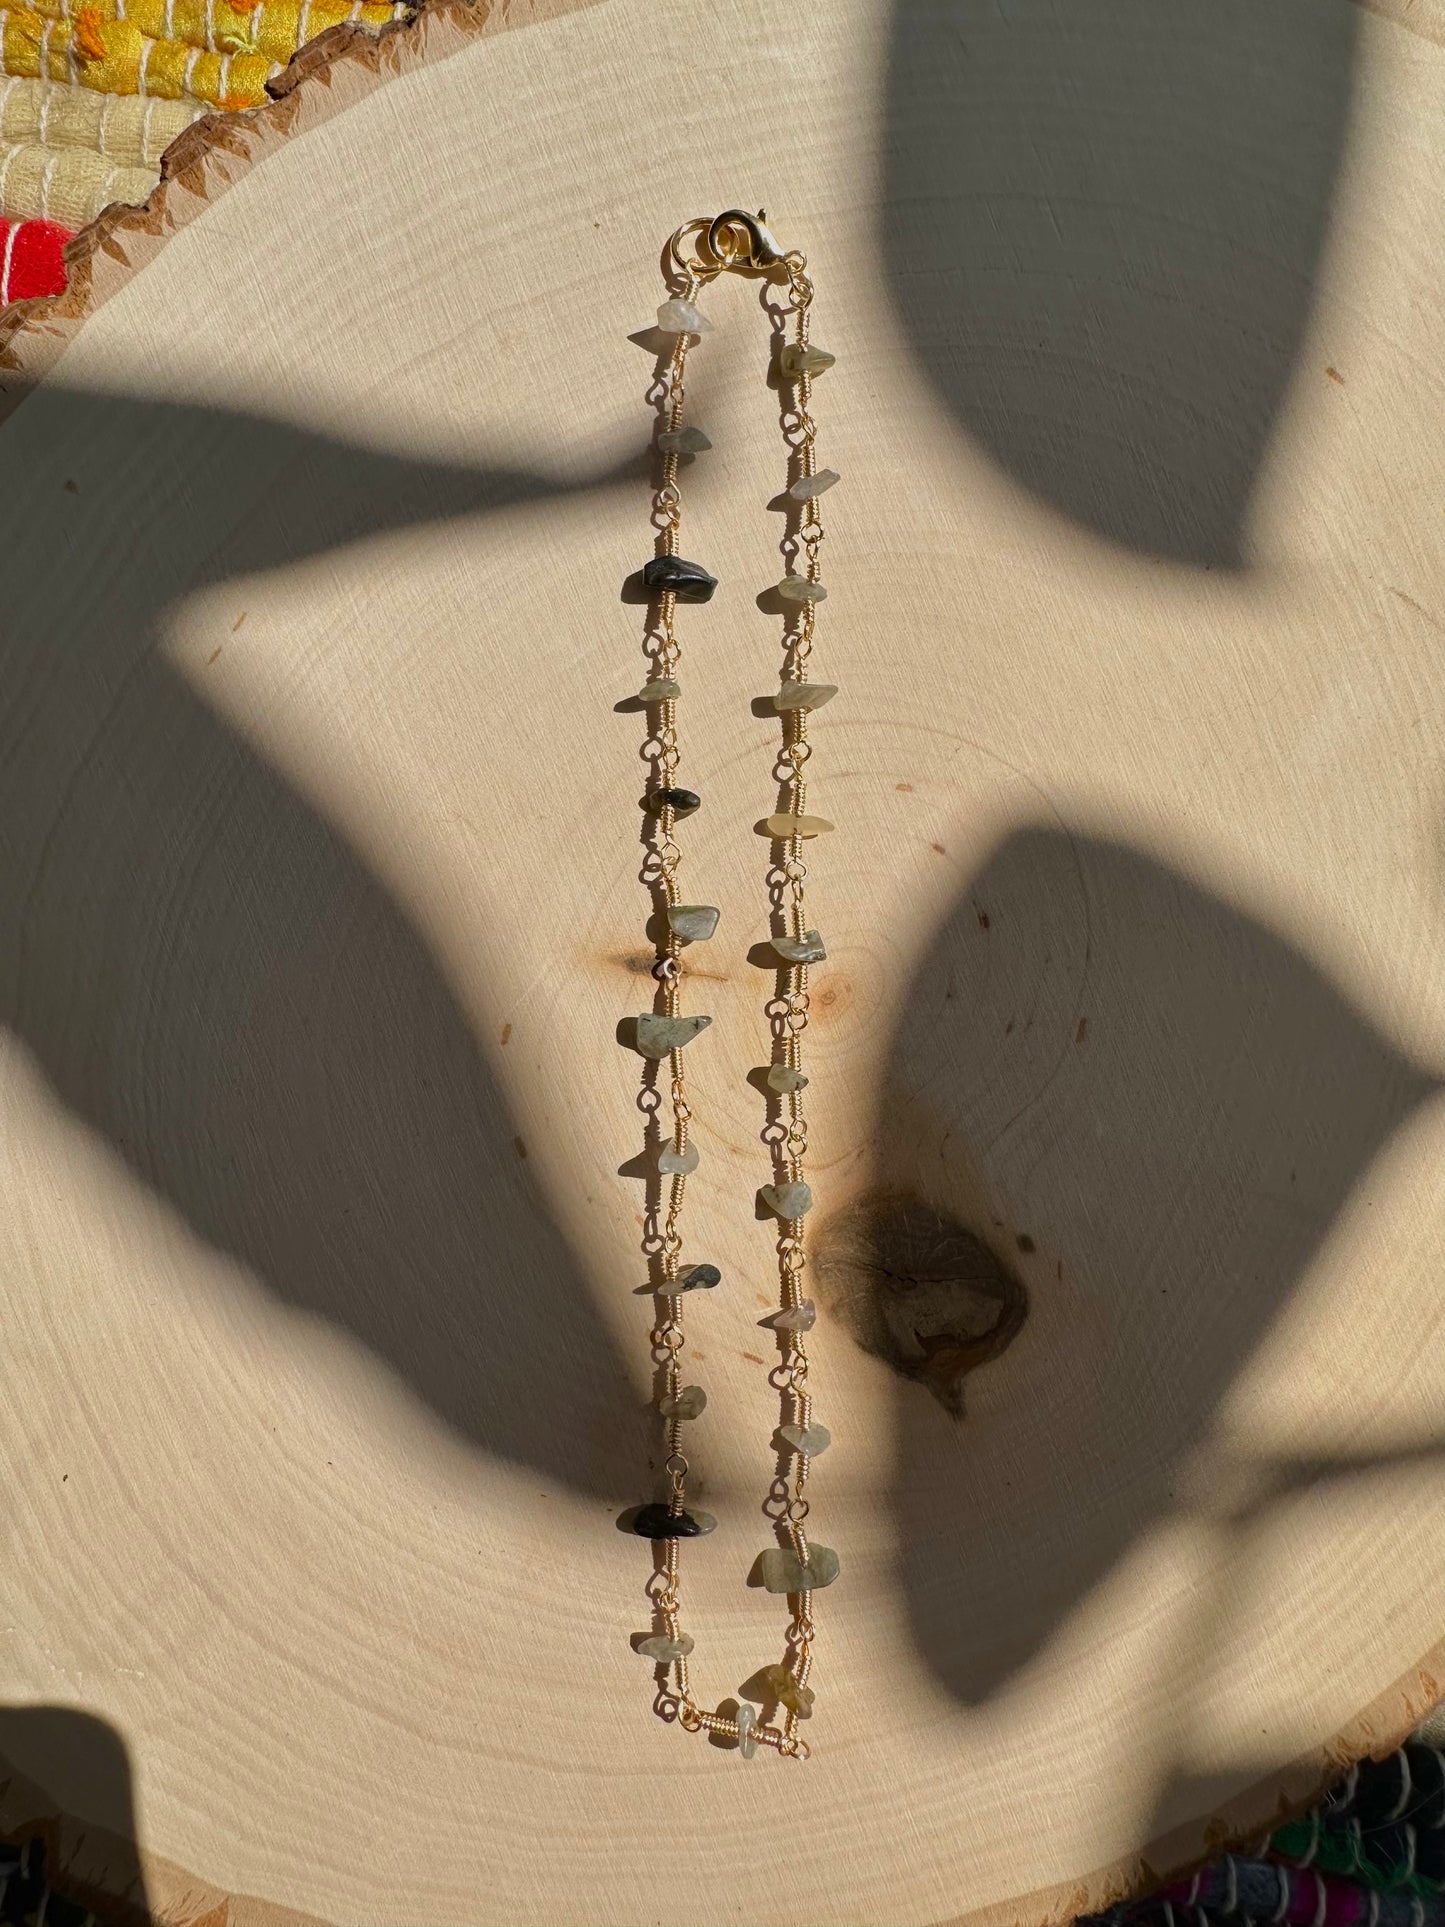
x,y
93,92
1372,1854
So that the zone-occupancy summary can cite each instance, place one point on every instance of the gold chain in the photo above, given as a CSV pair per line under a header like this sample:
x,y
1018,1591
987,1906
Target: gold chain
x,y
699,252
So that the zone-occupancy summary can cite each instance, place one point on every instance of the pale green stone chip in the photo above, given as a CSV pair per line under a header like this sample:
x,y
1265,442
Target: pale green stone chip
x,y
685,1403
683,441
788,1201
797,359
805,695
807,1440
662,1650
801,950
780,1569
782,1078
693,922
786,827
658,1036
807,486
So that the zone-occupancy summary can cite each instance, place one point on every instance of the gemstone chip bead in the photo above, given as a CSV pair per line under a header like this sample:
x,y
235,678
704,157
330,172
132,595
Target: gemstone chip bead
x,y
677,317
781,1570
786,827
747,1721
800,358
673,574
693,922
787,1201
808,486
795,1318
658,1037
656,1522
696,1278
804,695
681,802
783,1079
801,950
662,1651
788,1690
685,1403
800,588
683,441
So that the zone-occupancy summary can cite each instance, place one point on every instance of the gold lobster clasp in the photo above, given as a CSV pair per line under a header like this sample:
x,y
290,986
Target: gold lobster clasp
x,y
741,240
733,239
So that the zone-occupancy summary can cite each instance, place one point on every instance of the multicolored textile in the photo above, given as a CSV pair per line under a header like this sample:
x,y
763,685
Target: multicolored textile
x,y
115,57
92,92
1232,1892
221,52
1371,1855
269,29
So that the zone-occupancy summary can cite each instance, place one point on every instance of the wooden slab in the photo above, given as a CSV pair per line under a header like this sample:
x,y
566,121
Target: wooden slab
x,y
325,1376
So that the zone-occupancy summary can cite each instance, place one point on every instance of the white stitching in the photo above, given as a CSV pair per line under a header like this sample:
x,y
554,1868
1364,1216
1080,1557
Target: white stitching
x,y
5,167
1282,1911
47,182
6,259
1403,1800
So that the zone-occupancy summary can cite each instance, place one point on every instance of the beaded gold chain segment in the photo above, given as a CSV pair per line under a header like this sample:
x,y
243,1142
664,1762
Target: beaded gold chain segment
x,y
698,253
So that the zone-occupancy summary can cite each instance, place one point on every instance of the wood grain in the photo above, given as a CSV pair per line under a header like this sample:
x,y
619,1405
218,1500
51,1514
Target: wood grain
x,y
1423,17
327,1377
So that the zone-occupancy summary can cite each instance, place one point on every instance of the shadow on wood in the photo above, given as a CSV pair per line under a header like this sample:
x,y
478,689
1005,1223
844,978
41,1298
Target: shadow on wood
x,y
1174,1105
66,1800
1102,227
218,984
1244,1525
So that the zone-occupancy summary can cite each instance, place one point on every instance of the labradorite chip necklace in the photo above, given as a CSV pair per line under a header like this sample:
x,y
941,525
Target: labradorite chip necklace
x,y
777,1699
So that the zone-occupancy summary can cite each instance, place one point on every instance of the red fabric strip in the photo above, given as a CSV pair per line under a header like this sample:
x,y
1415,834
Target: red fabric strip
x,y
32,259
